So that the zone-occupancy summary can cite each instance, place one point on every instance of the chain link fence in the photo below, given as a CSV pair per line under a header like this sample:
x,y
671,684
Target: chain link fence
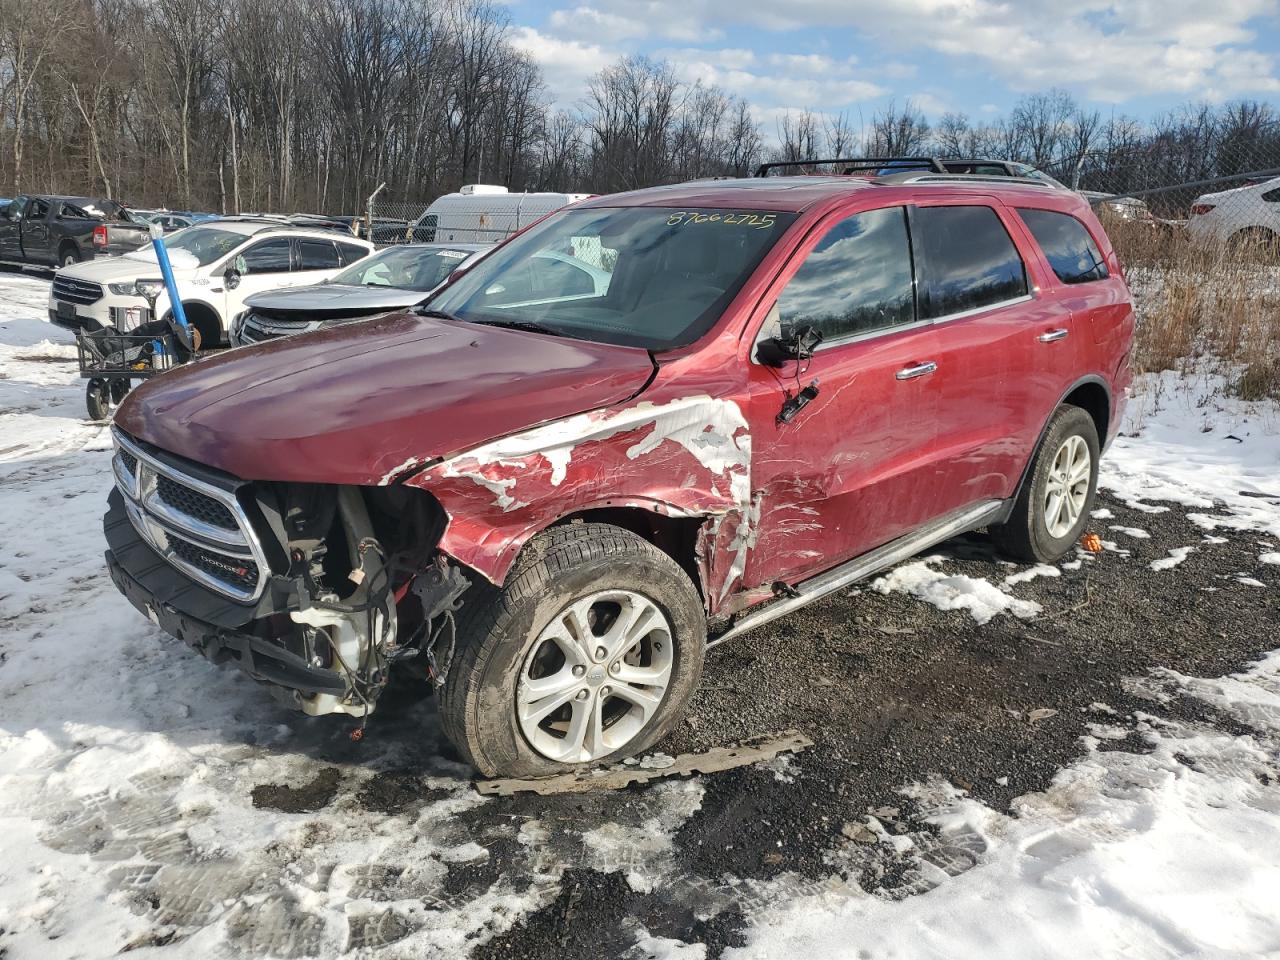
x,y
390,221
1219,192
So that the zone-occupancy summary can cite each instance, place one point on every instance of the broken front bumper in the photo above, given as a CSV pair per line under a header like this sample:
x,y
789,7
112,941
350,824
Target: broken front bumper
x,y
213,626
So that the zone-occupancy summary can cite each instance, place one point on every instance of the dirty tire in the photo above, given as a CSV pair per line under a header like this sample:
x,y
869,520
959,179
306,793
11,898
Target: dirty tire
x,y
69,257
498,627
1025,536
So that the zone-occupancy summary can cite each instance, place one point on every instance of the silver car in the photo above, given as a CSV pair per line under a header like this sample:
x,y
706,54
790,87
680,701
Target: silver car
x,y
392,279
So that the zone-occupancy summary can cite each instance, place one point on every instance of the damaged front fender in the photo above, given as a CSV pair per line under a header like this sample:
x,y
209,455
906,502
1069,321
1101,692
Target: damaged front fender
x,y
689,456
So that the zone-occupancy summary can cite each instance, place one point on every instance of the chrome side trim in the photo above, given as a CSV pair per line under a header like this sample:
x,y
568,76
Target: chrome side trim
x,y
876,560
159,523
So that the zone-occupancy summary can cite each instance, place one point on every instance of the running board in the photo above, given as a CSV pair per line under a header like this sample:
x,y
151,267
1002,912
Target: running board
x,y
807,591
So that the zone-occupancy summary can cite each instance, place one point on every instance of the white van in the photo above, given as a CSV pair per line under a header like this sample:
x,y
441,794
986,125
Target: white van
x,y
481,212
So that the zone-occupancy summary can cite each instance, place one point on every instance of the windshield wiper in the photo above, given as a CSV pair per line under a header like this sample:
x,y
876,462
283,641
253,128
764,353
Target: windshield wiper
x,y
531,325
437,314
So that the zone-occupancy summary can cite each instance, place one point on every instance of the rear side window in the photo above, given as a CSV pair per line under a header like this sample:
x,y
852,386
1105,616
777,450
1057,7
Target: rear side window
x,y
1067,245
269,256
856,280
968,260
318,255
351,252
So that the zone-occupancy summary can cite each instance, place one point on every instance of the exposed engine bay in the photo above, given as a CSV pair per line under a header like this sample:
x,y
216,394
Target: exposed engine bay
x,y
351,579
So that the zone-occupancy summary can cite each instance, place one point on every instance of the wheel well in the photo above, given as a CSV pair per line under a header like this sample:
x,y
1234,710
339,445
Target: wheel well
x,y
66,245
1092,398
677,537
206,320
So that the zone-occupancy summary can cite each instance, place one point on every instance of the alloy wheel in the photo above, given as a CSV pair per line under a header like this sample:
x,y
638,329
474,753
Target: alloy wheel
x,y
1067,487
595,676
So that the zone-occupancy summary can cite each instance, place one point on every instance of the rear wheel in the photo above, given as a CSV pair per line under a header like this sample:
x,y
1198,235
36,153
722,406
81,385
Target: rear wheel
x,y
69,257
1053,506
588,653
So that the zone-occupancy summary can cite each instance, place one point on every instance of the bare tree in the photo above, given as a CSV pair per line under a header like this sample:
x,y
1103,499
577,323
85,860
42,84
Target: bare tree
x,y
898,133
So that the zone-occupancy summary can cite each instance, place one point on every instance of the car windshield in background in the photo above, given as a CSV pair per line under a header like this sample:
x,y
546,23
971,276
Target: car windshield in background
x,y
204,244
409,268
641,276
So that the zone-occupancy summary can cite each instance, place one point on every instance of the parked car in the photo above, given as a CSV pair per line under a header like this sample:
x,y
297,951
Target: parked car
x,y
551,501
168,220
216,266
392,279
1248,215
483,213
48,230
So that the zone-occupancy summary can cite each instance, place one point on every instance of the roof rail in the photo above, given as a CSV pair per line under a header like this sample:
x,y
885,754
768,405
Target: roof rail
x,y
855,164
909,176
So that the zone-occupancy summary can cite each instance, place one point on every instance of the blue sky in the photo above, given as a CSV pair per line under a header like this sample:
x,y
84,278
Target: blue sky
x,y
973,56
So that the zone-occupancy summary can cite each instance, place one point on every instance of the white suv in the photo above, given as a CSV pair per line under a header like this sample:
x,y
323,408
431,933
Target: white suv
x,y
216,266
1248,214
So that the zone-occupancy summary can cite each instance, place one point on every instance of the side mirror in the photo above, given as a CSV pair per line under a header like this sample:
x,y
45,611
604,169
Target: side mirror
x,y
798,343
231,278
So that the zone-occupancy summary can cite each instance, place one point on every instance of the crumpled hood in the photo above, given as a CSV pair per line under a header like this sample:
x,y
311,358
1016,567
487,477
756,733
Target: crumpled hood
x,y
362,403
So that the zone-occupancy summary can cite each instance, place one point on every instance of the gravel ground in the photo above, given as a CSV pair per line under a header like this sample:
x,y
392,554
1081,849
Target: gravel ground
x,y
893,691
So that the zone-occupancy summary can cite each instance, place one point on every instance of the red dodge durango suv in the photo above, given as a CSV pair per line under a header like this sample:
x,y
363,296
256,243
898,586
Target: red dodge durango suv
x,y
553,486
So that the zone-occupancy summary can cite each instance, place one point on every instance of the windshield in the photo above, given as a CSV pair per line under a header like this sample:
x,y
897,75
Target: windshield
x,y
411,268
194,246
641,276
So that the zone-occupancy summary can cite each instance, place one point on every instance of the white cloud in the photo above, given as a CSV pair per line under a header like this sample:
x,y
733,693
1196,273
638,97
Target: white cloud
x,y
631,19
1108,49
566,65
777,81
930,104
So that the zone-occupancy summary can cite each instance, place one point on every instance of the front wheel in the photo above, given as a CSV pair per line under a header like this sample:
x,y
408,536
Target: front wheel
x,y
587,654
1053,506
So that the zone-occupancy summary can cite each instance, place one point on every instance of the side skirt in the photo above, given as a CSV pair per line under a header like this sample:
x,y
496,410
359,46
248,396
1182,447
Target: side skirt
x,y
807,591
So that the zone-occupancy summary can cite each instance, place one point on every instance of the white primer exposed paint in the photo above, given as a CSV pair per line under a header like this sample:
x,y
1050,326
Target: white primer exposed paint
x,y
712,430
394,472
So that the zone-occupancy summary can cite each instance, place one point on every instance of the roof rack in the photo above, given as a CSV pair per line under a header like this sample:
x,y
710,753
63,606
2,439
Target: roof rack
x,y
856,164
909,176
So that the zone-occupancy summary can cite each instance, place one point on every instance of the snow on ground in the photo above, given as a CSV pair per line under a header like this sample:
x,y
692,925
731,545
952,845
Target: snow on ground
x,y
1196,446
982,598
126,766
1172,853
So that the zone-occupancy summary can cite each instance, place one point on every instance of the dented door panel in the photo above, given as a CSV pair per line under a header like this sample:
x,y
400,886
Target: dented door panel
x,y
854,469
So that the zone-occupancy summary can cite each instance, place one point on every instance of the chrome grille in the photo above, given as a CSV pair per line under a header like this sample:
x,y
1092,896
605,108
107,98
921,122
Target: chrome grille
x,y
199,528
258,328
83,292
194,503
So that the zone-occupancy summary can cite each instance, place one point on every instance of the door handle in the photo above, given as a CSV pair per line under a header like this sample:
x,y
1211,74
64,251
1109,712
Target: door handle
x,y
1052,335
918,370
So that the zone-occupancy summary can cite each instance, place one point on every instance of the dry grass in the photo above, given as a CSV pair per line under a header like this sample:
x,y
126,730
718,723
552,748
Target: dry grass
x,y
1200,304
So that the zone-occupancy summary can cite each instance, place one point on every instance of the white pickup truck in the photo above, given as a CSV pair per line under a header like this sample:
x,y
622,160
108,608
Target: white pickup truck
x,y
216,265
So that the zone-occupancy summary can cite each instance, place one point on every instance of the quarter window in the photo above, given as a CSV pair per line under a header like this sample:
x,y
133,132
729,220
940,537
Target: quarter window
x,y
1272,196
968,260
269,256
856,280
1067,245
318,255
